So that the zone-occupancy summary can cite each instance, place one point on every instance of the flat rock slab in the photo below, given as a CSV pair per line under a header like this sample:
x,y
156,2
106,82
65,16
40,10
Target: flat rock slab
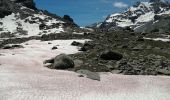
x,y
89,74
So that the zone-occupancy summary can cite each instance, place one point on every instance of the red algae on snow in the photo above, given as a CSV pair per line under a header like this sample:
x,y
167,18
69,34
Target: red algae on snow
x,y
23,77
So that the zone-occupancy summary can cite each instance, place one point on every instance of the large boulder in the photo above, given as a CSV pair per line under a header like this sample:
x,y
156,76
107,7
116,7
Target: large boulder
x,y
63,61
111,55
87,46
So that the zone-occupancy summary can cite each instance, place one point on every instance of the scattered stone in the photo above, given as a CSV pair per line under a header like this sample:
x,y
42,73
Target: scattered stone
x,y
74,43
89,74
12,46
111,55
42,26
55,47
80,76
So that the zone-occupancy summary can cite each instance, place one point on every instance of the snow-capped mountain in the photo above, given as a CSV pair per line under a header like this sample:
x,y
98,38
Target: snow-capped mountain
x,y
22,18
137,16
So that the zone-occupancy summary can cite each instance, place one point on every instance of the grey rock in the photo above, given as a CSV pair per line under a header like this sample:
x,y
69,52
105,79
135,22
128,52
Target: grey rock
x,y
116,71
63,61
164,72
89,74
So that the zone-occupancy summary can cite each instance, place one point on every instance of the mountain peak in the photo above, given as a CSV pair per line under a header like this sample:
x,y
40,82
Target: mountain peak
x,y
27,3
10,3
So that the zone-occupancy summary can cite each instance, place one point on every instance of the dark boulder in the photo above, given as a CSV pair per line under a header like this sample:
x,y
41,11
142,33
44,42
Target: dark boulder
x,y
111,55
63,61
74,43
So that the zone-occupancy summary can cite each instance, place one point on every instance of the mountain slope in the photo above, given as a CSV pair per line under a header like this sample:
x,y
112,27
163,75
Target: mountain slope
x,y
21,18
138,16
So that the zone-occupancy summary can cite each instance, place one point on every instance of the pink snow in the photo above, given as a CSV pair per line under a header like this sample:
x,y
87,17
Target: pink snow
x,y
23,77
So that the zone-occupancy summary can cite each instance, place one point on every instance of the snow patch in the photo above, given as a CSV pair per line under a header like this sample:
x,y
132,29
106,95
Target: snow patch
x,y
12,23
158,39
146,17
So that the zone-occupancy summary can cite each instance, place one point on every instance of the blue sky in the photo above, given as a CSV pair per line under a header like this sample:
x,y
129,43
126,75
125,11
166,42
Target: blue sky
x,y
85,12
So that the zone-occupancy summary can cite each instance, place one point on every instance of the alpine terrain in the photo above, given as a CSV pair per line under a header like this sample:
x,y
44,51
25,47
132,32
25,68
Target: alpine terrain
x,y
20,18
47,57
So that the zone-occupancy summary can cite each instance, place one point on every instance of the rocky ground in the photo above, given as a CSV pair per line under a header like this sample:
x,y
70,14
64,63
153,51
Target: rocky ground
x,y
131,53
121,52
124,52
40,53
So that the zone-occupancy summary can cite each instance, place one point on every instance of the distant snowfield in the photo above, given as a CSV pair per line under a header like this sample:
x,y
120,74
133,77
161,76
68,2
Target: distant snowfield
x,y
13,21
23,77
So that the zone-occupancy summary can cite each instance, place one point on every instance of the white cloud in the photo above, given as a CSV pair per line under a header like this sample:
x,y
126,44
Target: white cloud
x,y
120,5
